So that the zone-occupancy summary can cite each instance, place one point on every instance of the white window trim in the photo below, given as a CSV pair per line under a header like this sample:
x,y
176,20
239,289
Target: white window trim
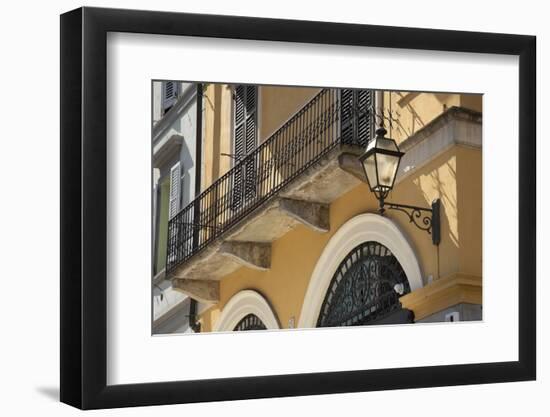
x,y
242,304
362,228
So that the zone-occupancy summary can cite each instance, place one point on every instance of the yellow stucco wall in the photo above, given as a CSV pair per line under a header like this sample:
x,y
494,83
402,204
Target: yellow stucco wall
x,y
405,113
454,177
278,104
295,254
217,135
470,210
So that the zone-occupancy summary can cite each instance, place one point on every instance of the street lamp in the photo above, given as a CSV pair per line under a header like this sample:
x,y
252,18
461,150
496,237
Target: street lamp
x,y
381,163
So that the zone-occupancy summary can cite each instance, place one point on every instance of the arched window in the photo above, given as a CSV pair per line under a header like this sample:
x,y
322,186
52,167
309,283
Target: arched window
x,y
247,310
365,288
250,322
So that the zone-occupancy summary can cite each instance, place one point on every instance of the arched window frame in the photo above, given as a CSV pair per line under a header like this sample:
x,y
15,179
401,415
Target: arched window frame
x,y
365,287
242,304
362,228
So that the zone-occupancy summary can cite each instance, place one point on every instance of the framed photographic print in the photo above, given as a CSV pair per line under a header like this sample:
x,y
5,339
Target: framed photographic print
x,y
278,208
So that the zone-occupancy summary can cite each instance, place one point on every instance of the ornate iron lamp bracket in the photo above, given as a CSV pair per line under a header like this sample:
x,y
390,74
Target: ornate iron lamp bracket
x,y
427,219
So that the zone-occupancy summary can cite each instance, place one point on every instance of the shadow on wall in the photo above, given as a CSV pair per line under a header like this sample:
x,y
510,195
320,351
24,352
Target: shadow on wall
x,y
436,180
448,200
395,117
408,112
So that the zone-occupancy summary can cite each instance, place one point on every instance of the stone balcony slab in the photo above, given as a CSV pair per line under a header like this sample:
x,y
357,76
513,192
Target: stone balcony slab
x,y
305,201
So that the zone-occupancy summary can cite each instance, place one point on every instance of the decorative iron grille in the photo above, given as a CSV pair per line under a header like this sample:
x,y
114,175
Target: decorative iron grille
x,y
365,287
302,141
250,322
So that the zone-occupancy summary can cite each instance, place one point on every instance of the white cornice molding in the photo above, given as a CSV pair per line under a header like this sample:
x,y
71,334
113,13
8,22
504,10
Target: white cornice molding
x,y
362,228
456,126
453,114
240,305
168,152
172,314
184,101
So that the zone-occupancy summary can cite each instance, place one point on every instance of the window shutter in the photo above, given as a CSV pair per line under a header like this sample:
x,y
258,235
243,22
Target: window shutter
x,y
169,94
364,119
246,132
239,149
245,140
251,142
175,185
346,116
251,131
355,119
240,125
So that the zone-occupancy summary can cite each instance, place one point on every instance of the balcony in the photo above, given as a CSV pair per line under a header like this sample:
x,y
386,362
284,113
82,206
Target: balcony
x,y
288,180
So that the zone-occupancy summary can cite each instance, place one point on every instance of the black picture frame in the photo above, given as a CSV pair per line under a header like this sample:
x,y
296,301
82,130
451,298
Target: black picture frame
x,y
84,207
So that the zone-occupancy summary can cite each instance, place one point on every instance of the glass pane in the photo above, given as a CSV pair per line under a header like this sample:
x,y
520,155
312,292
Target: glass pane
x,y
387,144
370,169
387,167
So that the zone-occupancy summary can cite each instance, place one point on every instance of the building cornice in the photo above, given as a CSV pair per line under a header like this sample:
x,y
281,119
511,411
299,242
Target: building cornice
x,y
456,126
166,154
451,115
172,313
187,97
443,293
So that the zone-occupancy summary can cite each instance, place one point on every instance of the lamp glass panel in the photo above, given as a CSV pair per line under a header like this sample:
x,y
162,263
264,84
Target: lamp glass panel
x,y
369,165
387,168
387,164
387,144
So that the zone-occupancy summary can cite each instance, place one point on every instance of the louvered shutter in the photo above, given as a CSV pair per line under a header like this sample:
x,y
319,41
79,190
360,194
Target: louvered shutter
x,y
175,186
364,119
346,116
239,148
169,94
251,142
245,140
356,116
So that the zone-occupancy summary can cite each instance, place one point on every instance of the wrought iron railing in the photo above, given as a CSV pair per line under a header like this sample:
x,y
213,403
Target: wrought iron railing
x,y
333,117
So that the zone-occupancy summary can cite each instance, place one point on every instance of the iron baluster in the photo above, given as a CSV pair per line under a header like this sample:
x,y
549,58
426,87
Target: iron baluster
x,y
303,140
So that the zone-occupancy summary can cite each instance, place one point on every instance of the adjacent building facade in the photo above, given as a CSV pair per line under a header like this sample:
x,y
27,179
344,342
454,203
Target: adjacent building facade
x,y
174,138
275,225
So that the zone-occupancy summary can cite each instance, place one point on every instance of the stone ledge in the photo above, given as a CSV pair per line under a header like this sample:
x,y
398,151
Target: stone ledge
x,y
250,244
443,293
203,291
250,254
456,127
450,115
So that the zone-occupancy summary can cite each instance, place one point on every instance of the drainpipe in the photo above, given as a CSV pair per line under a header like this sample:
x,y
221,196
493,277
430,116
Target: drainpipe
x,y
193,323
195,326
198,163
